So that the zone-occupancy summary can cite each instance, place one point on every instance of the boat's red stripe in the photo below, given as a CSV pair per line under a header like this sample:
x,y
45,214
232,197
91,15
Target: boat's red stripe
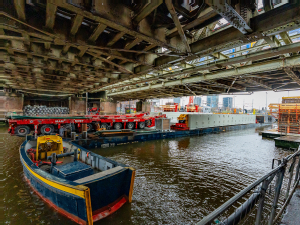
x,y
60,210
109,210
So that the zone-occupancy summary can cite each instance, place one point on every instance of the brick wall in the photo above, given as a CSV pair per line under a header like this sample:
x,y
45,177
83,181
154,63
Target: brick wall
x,y
78,106
11,103
108,108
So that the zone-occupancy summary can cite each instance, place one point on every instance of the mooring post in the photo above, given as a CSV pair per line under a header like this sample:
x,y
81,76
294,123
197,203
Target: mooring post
x,y
84,135
290,179
53,161
261,202
35,131
75,155
73,136
278,185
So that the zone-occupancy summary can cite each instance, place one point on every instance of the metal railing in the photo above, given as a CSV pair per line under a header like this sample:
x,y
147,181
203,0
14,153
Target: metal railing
x,y
264,200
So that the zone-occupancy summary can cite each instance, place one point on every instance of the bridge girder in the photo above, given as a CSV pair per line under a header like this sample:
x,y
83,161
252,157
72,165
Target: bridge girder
x,y
90,48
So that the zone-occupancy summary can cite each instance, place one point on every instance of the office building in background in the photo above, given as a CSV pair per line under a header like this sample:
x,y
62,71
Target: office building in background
x,y
213,101
227,102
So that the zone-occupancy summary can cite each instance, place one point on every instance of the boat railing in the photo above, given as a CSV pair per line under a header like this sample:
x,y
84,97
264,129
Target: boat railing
x,y
265,200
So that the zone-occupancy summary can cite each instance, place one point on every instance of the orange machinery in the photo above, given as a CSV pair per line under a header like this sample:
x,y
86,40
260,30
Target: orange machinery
x,y
183,121
170,107
287,114
191,107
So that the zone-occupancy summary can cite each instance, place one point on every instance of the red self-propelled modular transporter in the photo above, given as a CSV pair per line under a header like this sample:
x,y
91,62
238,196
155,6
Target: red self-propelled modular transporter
x,y
22,125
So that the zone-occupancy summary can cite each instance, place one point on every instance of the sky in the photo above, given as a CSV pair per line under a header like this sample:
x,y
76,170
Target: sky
x,y
257,98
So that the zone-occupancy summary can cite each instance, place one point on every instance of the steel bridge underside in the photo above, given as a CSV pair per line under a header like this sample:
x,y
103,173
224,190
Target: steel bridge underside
x,y
150,50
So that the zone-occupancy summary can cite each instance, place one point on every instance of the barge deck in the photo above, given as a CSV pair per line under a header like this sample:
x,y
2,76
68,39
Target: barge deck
x,y
289,142
274,134
104,142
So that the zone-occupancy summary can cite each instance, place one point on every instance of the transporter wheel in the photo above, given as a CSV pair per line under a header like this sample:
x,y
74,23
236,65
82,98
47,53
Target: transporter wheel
x,y
148,123
22,130
47,129
130,125
90,127
141,125
118,126
104,125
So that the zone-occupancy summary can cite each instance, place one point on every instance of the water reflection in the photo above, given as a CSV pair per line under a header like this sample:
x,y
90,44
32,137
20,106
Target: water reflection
x,y
178,181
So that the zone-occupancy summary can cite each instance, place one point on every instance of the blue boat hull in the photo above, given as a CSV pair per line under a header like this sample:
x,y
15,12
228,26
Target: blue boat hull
x,y
84,203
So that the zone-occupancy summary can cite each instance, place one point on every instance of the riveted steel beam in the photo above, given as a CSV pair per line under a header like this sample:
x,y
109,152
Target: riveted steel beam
x,y
76,23
119,27
286,38
121,68
20,8
50,15
117,37
292,75
178,25
259,82
285,14
146,10
98,30
225,62
209,16
272,41
227,85
228,13
259,67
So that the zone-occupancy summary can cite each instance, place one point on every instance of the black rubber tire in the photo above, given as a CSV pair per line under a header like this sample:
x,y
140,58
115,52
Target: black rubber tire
x,y
22,130
141,125
90,127
118,126
48,131
130,125
104,125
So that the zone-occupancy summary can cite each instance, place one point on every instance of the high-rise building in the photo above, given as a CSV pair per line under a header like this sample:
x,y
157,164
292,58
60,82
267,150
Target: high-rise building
x,y
197,101
227,102
213,101
177,100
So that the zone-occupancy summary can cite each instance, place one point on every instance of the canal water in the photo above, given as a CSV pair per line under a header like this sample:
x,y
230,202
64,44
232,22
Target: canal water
x,y
178,181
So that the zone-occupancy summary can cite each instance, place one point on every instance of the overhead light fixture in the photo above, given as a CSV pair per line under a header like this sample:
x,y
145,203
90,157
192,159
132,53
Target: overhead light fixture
x,y
180,16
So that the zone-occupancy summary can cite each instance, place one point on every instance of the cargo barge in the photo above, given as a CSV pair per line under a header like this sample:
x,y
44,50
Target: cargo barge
x,y
194,124
104,142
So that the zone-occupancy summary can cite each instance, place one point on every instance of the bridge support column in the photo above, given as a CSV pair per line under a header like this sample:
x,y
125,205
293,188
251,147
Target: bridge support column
x,y
77,105
108,108
143,106
12,102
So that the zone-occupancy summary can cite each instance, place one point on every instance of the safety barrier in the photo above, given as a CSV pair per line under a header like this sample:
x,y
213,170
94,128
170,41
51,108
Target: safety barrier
x,y
263,201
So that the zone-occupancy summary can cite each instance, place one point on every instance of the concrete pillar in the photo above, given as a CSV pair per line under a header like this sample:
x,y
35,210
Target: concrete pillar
x,y
86,103
129,108
78,106
139,106
70,104
107,108
146,107
12,102
143,106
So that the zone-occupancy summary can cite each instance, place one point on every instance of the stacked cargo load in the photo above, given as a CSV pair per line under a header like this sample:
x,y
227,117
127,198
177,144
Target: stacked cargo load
x,y
287,114
44,110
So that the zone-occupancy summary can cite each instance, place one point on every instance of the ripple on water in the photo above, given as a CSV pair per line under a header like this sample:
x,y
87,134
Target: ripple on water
x,y
178,181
